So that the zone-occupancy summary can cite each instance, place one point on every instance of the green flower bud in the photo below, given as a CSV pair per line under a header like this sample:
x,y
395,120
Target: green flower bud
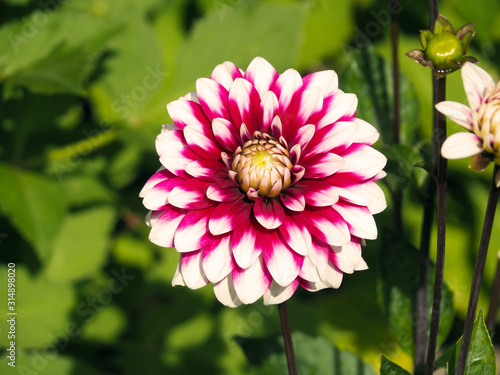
x,y
443,51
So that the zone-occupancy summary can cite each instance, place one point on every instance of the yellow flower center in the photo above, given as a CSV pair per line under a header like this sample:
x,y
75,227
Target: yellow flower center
x,y
263,164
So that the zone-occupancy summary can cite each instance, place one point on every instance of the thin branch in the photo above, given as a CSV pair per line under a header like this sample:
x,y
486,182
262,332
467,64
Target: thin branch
x,y
439,86
287,338
478,274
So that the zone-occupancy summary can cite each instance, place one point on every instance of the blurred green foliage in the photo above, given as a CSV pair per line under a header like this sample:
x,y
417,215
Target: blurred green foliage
x,y
83,89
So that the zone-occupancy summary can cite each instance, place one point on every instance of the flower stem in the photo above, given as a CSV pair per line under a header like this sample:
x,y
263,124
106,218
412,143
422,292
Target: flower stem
x,y
495,294
478,274
439,95
422,293
287,338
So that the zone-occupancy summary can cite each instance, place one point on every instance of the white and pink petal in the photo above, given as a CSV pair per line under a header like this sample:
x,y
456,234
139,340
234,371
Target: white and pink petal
x,y
192,271
217,259
278,294
251,283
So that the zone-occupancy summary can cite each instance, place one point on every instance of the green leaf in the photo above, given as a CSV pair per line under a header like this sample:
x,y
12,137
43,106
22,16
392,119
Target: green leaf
x,y
83,189
130,251
312,355
402,161
34,206
46,362
106,326
481,357
80,248
123,167
43,308
53,51
389,368
399,286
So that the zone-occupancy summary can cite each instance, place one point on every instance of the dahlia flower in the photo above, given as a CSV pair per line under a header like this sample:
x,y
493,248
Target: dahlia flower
x,y
481,119
267,182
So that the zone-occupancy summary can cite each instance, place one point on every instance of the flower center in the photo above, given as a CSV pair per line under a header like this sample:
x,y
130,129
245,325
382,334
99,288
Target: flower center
x,y
262,164
486,124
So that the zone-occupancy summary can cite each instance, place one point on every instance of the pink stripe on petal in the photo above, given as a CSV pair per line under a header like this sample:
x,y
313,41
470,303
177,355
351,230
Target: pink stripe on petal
x,y
157,197
186,112
268,213
225,74
340,106
321,165
262,75
359,219
227,216
477,82
461,145
268,109
281,261
457,112
192,231
251,284
276,127
296,235
327,81
192,271
303,136
170,140
293,199
247,245
303,105
363,161
226,134
213,98
201,141
225,292
244,104
318,193
223,191
286,86
278,294
207,169
328,226
190,194
163,230
217,261
367,134
338,137
160,175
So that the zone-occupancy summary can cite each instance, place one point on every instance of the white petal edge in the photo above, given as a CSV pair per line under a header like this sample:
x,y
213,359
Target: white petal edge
x,y
461,145
457,112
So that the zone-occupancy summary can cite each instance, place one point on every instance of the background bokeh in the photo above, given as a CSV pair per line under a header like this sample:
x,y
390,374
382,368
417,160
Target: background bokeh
x,y
83,89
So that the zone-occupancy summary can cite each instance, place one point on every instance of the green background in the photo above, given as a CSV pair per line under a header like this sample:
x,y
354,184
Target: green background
x,y
83,88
